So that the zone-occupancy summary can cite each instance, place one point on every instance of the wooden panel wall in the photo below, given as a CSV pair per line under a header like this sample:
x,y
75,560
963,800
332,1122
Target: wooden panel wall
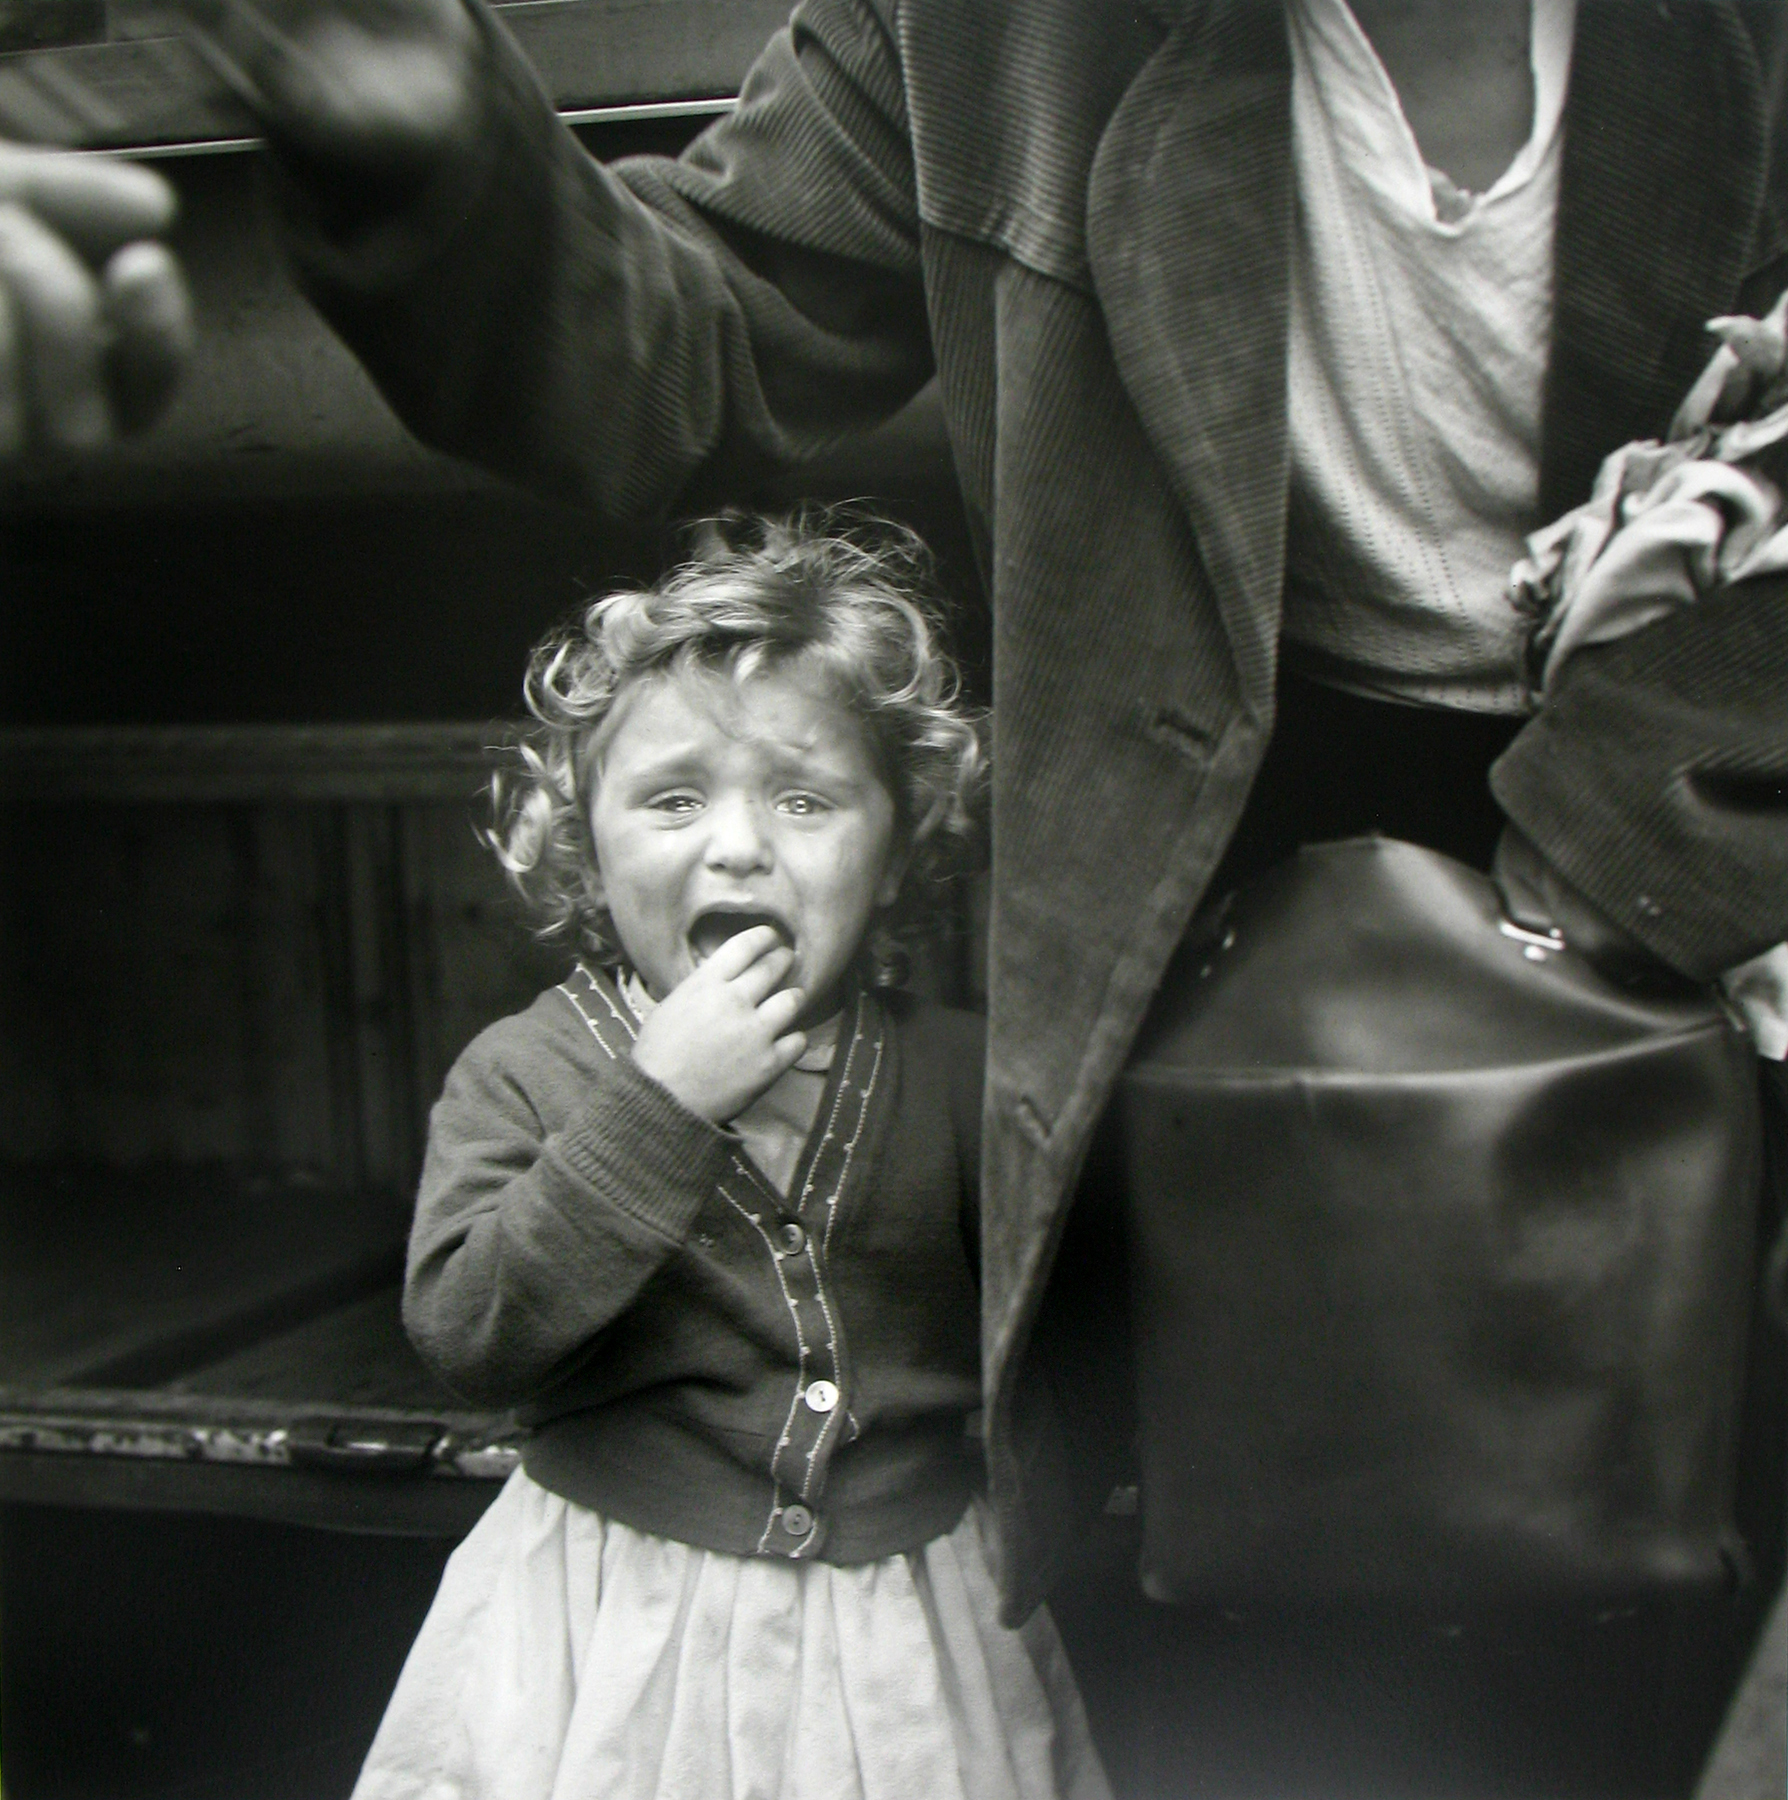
x,y
272,978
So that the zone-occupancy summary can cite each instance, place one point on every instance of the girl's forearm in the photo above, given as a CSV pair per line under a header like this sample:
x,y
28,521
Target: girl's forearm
x,y
527,1246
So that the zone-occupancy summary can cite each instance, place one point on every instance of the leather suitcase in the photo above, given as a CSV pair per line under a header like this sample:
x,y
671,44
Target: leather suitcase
x,y
1442,1253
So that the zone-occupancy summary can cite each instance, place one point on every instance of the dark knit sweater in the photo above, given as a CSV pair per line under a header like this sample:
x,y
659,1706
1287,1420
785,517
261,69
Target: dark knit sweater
x,y
590,1252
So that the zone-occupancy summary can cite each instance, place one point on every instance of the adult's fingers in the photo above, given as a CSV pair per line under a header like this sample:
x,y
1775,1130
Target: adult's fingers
x,y
150,315
384,82
96,203
394,98
59,333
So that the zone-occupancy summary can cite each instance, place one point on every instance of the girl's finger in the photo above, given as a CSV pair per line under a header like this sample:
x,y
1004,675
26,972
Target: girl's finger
x,y
781,1010
59,331
765,975
150,315
741,950
96,203
787,1050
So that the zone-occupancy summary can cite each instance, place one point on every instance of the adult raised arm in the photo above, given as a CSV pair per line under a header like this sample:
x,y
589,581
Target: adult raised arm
x,y
95,323
603,335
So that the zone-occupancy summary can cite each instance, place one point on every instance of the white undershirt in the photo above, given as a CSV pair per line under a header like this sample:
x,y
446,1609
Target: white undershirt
x,y
1421,318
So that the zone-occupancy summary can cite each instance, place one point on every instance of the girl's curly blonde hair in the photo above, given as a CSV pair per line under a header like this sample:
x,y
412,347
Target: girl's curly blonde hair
x,y
836,594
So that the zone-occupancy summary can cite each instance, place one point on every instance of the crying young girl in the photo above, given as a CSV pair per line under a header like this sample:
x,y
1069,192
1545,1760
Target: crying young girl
x,y
705,1215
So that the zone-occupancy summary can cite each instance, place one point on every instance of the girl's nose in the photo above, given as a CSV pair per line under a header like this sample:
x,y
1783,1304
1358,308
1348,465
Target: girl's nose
x,y
736,839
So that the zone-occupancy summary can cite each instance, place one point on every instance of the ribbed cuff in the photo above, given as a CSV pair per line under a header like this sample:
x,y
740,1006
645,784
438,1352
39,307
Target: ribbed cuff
x,y
643,1151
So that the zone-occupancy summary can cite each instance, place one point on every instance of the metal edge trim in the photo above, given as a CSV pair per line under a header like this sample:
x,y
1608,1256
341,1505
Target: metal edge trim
x,y
633,110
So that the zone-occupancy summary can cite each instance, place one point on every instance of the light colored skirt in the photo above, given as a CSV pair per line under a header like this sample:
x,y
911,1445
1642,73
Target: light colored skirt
x,y
570,1658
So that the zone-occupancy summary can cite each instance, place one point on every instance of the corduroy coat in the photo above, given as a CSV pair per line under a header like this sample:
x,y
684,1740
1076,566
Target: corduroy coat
x,y
1078,214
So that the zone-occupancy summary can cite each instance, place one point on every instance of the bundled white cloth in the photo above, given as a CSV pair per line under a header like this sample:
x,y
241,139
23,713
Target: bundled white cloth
x,y
1666,525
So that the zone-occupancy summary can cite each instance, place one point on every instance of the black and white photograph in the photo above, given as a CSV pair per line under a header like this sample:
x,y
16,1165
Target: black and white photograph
x,y
893,899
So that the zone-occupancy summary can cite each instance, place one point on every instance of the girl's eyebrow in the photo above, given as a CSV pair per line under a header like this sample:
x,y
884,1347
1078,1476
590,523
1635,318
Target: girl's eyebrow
x,y
809,771
804,750
659,766
803,756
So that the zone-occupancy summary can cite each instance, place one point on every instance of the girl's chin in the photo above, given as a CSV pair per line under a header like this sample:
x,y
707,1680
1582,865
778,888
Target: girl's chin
x,y
817,1008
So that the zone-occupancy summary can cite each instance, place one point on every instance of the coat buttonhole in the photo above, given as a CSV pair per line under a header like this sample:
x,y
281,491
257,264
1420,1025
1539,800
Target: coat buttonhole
x,y
1178,731
1032,1122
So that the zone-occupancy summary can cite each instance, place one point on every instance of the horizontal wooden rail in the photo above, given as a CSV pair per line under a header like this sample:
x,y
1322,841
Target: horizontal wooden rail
x,y
446,761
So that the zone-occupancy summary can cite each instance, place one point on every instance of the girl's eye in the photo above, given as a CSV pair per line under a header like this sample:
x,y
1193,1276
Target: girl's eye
x,y
676,804
802,806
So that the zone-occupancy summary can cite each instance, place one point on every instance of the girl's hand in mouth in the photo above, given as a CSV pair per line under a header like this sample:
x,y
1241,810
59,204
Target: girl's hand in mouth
x,y
721,924
726,1031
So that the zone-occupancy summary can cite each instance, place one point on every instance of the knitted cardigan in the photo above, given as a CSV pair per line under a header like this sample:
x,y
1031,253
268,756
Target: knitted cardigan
x,y
699,1355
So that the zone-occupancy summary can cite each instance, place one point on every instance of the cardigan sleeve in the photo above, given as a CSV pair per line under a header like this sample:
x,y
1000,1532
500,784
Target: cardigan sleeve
x,y
602,335
529,1240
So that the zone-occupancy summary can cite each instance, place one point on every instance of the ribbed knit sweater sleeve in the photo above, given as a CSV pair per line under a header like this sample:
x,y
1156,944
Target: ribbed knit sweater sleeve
x,y
557,1182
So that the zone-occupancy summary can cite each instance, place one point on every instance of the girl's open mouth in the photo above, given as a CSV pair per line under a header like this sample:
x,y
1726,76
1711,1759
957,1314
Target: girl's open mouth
x,y
712,929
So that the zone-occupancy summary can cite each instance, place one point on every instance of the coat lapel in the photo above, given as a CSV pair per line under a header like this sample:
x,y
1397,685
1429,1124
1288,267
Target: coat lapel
x,y
1659,201
1189,239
